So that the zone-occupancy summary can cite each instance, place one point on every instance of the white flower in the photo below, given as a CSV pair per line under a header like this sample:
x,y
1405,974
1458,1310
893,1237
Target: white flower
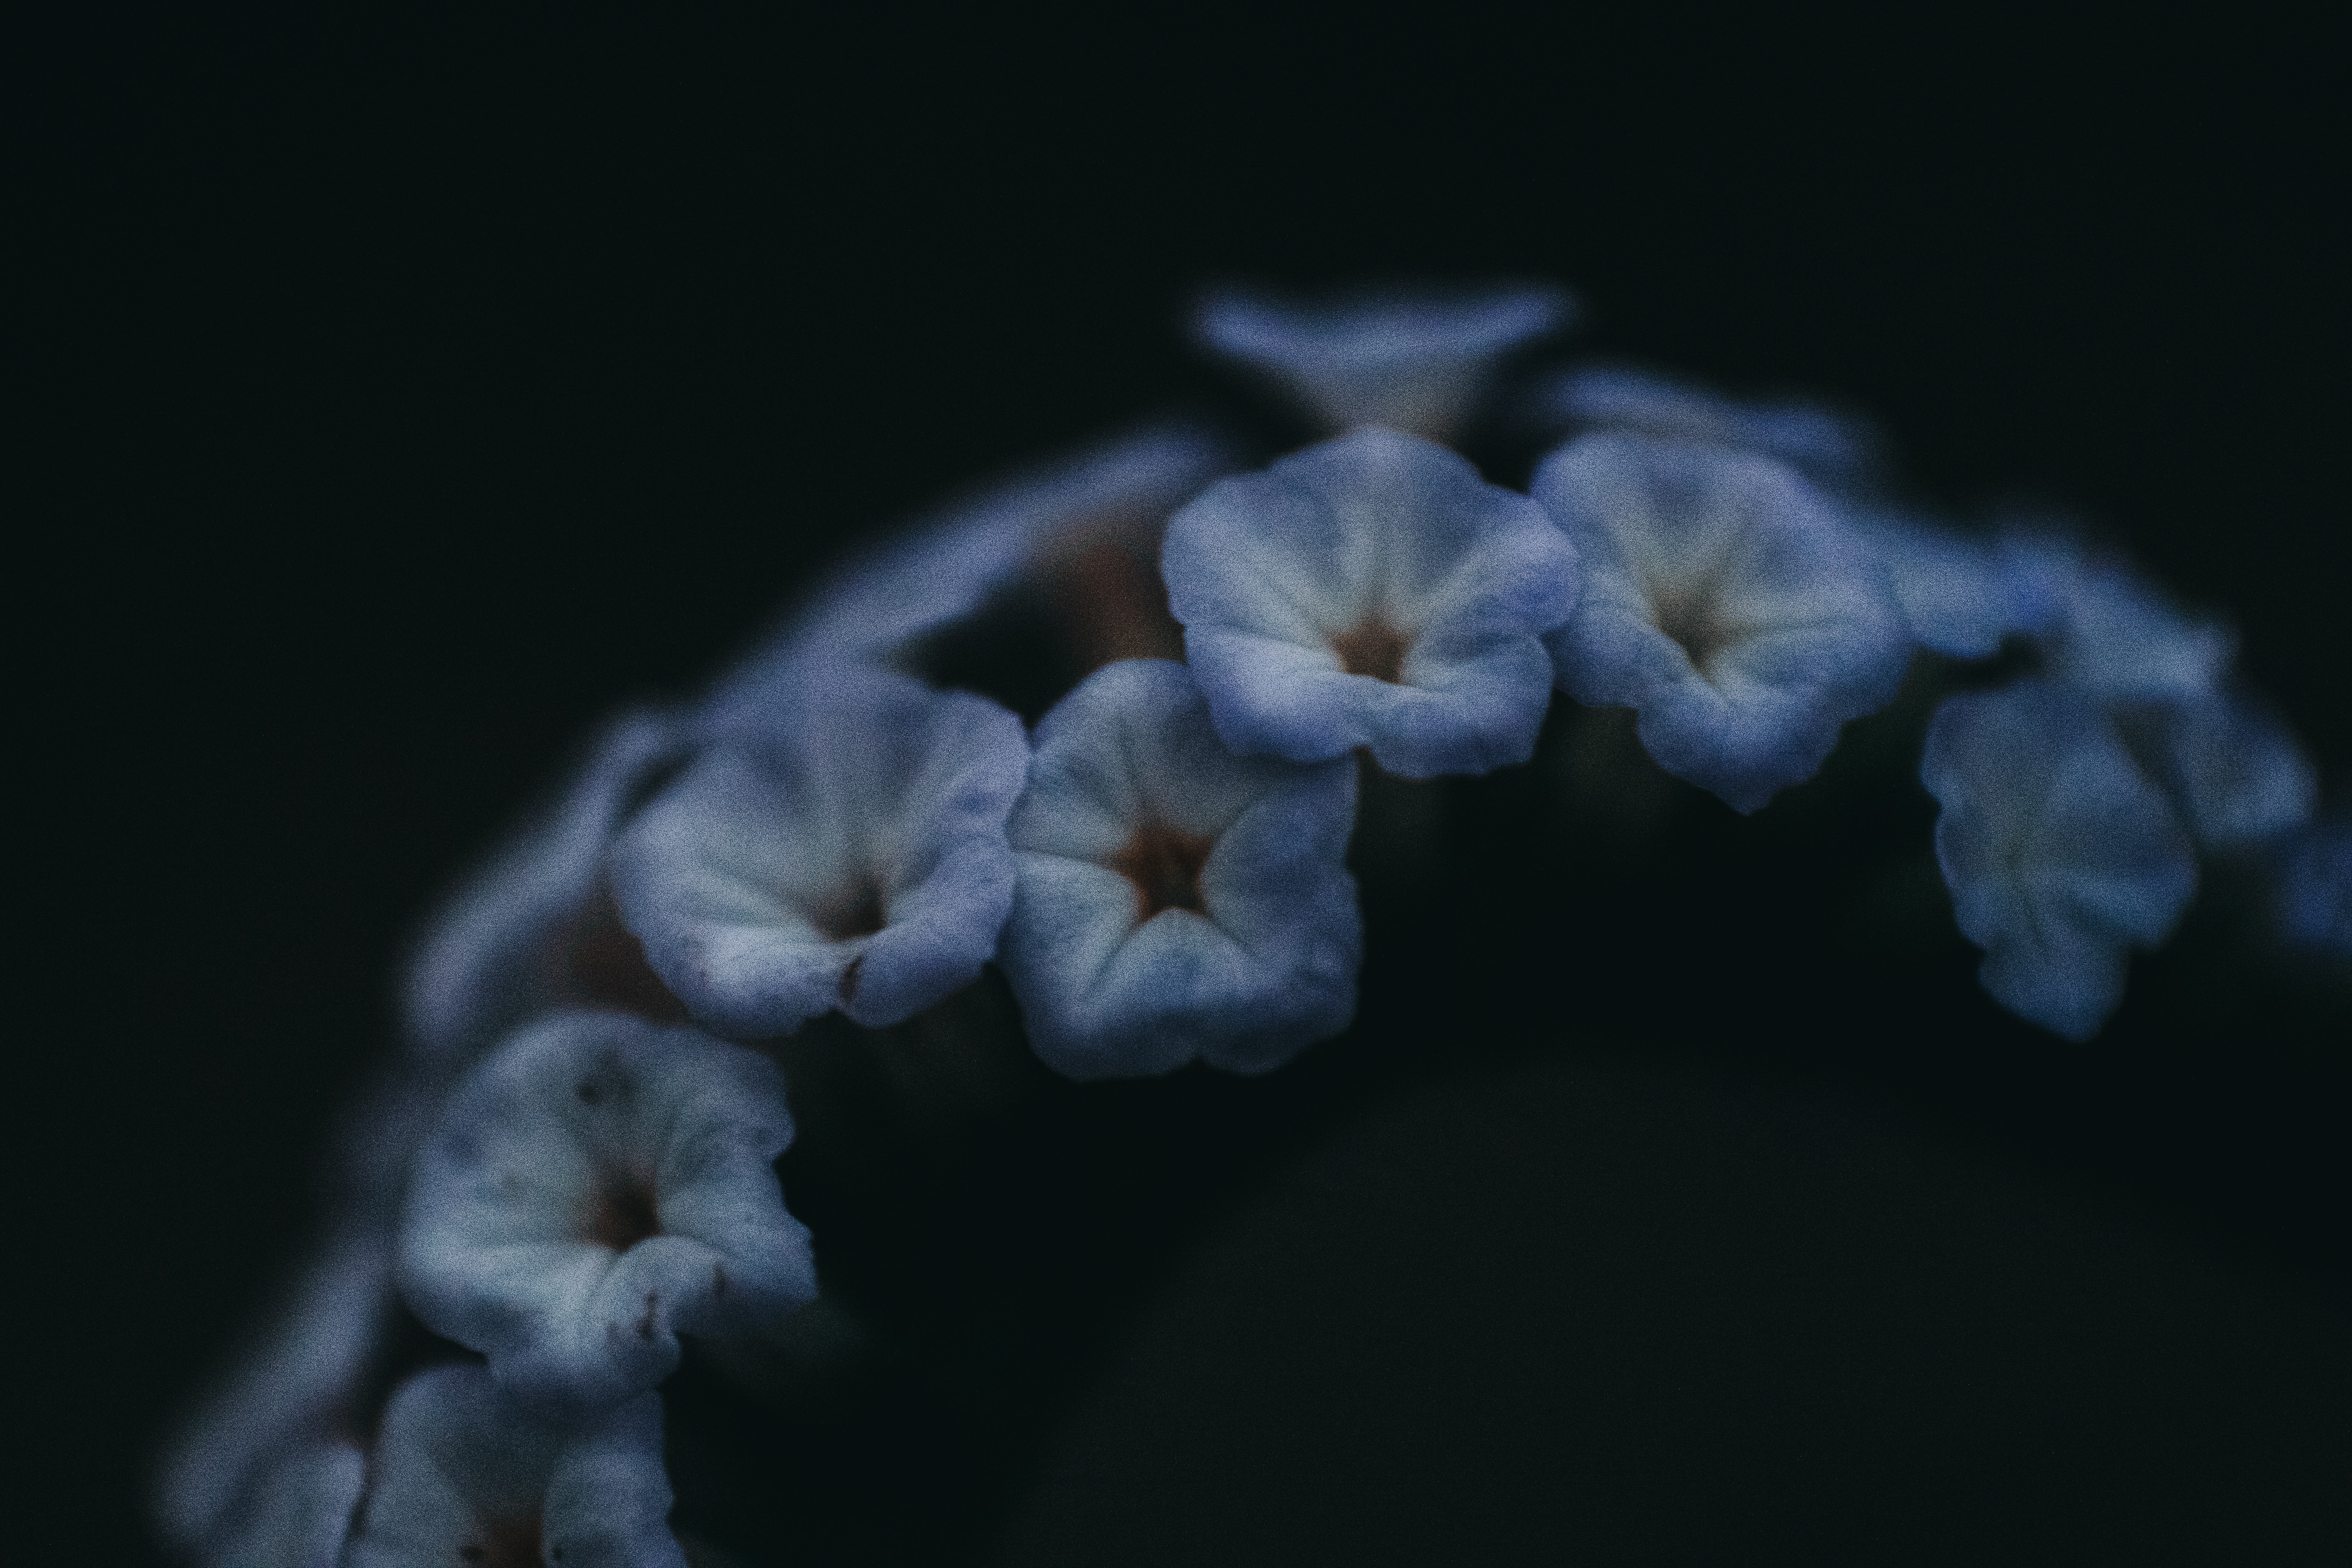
x,y
1176,901
1375,592
851,855
597,1186
1726,601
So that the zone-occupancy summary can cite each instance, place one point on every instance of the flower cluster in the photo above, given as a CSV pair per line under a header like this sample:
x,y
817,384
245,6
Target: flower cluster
x,y
573,1161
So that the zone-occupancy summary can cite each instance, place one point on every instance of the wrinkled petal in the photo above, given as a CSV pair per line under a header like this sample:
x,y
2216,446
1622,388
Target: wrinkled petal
x,y
1372,591
464,1475
301,1379
597,1185
498,954
1176,901
1725,600
2059,852
850,855
885,600
1829,448
1408,361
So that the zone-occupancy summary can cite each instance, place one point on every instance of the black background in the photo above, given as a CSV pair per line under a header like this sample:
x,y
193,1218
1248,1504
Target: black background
x,y
407,395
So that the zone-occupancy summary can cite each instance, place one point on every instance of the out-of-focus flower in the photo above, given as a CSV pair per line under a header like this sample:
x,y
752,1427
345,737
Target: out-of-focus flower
x,y
595,1187
535,928
1415,361
1372,591
2115,635
1961,594
2314,888
300,1513
1725,600
849,855
1829,448
2229,763
464,1476
300,1383
1093,509
1176,901
2060,854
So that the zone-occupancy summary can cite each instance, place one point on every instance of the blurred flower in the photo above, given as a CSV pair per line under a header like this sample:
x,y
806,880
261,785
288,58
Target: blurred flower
x,y
2059,852
1372,591
464,1476
1414,361
535,929
300,1515
2229,763
2314,888
1959,594
879,603
595,1187
1829,448
1176,901
2115,635
221,1476
1726,602
849,854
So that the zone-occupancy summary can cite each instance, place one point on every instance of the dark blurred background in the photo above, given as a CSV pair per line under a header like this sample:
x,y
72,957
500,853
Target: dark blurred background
x,y
406,395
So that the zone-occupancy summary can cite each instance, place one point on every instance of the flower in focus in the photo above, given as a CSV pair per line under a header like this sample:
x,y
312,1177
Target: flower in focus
x,y
465,1477
1372,591
1408,361
1176,901
535,928
850,854
1726,602
2059,854
1831,449
595,1187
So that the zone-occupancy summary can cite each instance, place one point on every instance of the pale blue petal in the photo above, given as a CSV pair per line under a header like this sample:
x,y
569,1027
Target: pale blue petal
x,y
881,602
502,1251
1961,594
2314,888
1726,601
1272,573
1416,361
866,791
2232,766
462,1471
1267,964
2060,854
491,959
299,1380
300,1513
1829,447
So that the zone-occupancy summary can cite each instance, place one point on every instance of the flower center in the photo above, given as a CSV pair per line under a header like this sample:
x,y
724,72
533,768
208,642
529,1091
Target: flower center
x,y
858,910
623,1214
1372,646
509,1543
1695,619
1164,863
602,962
